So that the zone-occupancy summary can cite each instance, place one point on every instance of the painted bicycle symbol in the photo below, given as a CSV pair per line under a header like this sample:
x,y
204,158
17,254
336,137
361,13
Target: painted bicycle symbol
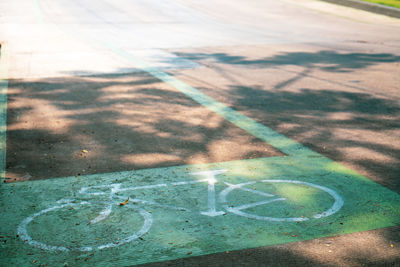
x,y
116,196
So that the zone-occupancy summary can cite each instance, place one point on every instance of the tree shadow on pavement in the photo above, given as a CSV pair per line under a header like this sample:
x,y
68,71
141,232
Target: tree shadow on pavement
x,y
330,61
353,128
359,128
347,250
74,126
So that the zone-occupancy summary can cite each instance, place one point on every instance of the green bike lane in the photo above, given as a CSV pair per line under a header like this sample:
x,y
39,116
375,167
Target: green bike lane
x,y
266,189
173,212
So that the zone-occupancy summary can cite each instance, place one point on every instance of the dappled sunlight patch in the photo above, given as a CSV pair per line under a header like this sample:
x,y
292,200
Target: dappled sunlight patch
x,y
341,116
126,121
150,158
299,194
370,154
350,249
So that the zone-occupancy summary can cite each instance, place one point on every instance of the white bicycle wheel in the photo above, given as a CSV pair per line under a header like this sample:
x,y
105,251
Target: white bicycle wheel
x,y
70,206
239,210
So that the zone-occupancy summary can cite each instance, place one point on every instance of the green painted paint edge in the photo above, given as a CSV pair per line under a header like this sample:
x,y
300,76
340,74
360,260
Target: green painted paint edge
x,y
3,111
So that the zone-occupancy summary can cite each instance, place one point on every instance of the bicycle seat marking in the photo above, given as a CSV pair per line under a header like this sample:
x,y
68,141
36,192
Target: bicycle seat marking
x,y
115,195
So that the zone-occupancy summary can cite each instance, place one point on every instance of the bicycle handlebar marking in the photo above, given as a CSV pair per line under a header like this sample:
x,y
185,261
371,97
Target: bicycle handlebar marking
x,y
210,177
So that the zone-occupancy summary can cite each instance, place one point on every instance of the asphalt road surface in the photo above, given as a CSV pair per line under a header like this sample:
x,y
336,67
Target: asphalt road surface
x,y
102,87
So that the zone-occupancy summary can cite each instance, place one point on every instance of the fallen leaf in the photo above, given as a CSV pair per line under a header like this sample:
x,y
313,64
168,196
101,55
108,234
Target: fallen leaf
x,y
124,203
85,151
391,245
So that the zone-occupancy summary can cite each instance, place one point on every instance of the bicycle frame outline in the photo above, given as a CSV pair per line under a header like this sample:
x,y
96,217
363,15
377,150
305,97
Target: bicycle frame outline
x,y
210,178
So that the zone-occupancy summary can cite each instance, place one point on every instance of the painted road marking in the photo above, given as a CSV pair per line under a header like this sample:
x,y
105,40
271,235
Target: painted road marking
x,y
272,196
211,180
261,198
241,186
24,235
337,205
